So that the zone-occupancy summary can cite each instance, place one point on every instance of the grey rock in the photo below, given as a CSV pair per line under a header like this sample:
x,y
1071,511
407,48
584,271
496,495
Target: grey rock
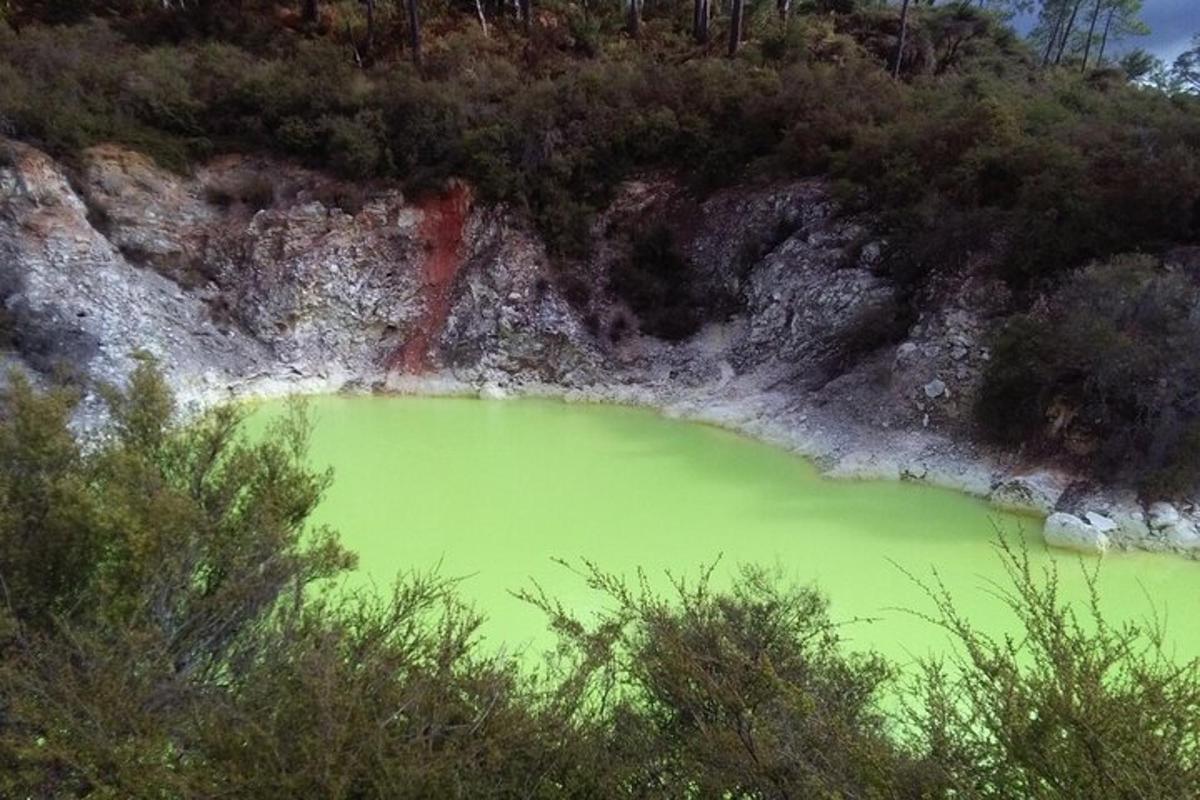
x,y
1100,522
1071,533
1038,492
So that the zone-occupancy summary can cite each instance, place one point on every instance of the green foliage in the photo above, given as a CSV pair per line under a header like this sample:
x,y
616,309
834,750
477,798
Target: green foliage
x,y
744,693
978,154
1186,69
1070,707
1110,371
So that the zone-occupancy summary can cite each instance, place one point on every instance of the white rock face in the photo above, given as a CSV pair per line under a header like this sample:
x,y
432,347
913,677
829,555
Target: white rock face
x,y
1070,532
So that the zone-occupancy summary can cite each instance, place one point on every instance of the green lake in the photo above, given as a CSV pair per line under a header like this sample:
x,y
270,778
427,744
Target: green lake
x,y
493,491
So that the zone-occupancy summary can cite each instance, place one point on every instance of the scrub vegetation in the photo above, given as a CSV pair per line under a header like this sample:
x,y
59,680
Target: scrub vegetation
x,y
169,629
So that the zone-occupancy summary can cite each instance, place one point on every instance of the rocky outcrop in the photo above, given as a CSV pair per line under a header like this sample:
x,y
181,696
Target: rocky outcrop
x,y
256,277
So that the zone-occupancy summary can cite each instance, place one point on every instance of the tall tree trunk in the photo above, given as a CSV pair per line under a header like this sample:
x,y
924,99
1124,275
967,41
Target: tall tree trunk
x,y
736,11
633,18
900,41
414,31
1087,46
784,7
1066,37
700,16
369,44
309,11
1052,38
526,15
1104,38
482,17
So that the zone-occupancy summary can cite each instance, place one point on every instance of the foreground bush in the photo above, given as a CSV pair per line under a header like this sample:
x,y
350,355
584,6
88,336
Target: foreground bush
x,y
1069,707
166,632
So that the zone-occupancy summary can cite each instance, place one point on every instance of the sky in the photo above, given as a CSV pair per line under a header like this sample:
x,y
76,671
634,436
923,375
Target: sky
x,y
1172,25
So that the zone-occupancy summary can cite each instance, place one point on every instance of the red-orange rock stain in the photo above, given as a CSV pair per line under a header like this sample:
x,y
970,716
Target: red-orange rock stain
x,y
442,226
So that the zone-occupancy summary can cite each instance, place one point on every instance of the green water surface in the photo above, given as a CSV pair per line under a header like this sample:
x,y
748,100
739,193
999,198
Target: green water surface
x,y
494,490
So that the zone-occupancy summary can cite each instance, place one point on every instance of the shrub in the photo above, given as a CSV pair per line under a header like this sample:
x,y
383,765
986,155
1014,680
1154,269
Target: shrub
x,y
1071,707
1113,367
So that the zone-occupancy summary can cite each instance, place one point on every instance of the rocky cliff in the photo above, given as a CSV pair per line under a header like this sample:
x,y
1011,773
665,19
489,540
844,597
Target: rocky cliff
x,y
254,277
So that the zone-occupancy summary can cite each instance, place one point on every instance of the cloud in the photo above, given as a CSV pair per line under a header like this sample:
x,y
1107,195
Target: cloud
x,y
1172,25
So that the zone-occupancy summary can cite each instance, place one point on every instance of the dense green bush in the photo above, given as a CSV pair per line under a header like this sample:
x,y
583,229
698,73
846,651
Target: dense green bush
x,y
1111,371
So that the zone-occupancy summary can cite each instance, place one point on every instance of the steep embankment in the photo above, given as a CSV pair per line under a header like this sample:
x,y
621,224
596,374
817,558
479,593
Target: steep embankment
x,y
257,277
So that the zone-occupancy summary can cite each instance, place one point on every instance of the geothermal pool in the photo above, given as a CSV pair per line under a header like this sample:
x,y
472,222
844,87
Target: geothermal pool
x,y
492,491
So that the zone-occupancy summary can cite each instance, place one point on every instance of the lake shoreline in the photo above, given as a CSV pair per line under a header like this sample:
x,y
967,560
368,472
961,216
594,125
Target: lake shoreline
x,y
835,449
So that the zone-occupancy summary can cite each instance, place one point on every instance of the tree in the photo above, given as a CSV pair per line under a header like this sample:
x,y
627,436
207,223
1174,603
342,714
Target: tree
x,y
414,31
737,10
363,52
1004,9
526,7
633,18
1139,64
1121,20
1186,69
900,40
1057,32
701,12
1068,31
1051,18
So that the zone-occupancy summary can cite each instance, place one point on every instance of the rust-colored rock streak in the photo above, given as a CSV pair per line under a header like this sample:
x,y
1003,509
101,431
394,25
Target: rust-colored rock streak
x,y
444,218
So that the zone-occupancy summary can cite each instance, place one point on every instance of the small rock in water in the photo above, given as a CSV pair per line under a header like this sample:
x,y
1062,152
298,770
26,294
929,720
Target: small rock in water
x,y
1100,522
1070,532
935,388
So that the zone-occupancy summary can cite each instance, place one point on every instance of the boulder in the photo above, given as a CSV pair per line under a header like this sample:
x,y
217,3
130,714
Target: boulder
x,y
1072,533
1163,515
1038,492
